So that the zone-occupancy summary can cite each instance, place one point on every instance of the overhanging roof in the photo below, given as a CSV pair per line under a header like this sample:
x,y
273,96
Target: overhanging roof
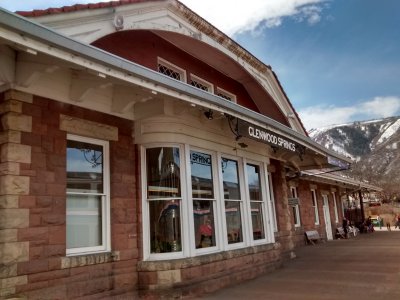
x,y
16,30
343,181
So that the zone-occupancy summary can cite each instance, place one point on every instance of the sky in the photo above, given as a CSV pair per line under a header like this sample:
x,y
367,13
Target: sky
x,y
337,60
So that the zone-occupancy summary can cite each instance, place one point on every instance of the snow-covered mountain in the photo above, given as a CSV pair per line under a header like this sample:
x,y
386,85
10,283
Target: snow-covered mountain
x,y
358,139
373,145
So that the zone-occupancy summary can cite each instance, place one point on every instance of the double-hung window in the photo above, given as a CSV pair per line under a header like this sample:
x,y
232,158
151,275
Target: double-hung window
x,y
233,200
164,199
88,198
203,199
188,212
256,201
295,207
315,206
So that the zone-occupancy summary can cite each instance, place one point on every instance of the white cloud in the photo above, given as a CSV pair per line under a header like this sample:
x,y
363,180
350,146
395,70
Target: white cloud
x,y
233,18
320,116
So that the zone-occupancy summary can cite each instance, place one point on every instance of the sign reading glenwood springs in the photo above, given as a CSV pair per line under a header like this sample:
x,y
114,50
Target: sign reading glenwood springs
x,y
265,136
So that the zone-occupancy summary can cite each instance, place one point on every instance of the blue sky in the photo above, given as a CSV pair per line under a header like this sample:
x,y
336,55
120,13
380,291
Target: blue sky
x,y
338,60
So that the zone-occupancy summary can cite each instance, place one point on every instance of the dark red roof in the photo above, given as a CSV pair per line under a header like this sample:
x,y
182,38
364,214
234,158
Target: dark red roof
x,y
76,7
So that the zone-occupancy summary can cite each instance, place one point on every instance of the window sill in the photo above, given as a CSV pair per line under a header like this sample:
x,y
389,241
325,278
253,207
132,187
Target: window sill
x,y
165,265
89,259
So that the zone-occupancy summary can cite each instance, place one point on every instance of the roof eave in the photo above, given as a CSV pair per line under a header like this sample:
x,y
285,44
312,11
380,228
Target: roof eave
x,y
45,35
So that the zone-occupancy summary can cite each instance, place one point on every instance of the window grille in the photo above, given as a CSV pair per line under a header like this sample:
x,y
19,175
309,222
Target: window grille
x,y
226,95
169,72
199,85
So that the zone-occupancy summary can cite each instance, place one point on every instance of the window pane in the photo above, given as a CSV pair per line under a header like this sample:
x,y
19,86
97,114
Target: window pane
x,y
253,174
84,167
84,221
257,220
233,222
169,72
203,214
165,226
163,172
294,192
294,209
202,182
230,175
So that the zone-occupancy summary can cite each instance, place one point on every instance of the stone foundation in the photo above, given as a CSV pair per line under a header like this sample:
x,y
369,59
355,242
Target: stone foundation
x,y
207,273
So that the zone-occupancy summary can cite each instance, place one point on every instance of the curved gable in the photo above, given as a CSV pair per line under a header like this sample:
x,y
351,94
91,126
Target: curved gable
x,y
171,20
145,47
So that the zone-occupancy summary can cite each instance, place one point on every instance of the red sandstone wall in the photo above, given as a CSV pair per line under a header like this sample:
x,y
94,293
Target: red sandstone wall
x,y
46,202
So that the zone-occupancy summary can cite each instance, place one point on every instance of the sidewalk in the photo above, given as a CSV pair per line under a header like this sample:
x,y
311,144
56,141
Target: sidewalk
x,y
365,267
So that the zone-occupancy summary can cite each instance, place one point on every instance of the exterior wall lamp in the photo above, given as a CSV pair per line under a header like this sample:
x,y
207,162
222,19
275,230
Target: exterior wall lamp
x,y
209,114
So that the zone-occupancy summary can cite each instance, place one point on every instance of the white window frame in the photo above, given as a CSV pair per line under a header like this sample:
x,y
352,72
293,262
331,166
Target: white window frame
x,y
187,219
183,207
335,208
315,206
175,68
296,208
217,247
242,201
210,86
105,199
226,93
249,223
272,201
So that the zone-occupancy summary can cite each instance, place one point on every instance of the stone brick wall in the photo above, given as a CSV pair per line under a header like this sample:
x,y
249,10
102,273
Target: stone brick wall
x,y
285,235
33,203
203,274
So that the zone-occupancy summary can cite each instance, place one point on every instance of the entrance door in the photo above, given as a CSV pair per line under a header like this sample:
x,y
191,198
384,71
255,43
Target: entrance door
x,y
327,217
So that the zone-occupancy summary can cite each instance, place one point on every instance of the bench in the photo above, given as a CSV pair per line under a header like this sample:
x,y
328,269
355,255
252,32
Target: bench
x,y
340,233
351,230
354,230
312,236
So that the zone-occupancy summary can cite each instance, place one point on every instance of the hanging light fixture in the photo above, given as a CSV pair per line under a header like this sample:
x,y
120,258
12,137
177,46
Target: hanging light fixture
x,y
209,114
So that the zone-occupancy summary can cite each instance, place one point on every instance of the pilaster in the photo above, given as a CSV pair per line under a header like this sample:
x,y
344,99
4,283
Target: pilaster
x,y
13,185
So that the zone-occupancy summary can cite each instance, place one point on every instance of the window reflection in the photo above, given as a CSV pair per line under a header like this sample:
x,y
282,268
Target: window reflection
x,y
257,220
85,202
256,204
84,167
202,189
253,175
165,226
163,172
233,222
230,177
164,190
202,181
203,213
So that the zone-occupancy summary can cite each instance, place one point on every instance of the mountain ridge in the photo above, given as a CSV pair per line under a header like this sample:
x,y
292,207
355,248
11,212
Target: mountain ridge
x,y
373,145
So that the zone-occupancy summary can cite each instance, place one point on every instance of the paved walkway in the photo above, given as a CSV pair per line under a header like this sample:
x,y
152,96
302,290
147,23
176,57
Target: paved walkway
x,y
365,267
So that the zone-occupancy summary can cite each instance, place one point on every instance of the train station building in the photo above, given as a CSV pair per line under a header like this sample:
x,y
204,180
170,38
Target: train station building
x,y
144,151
